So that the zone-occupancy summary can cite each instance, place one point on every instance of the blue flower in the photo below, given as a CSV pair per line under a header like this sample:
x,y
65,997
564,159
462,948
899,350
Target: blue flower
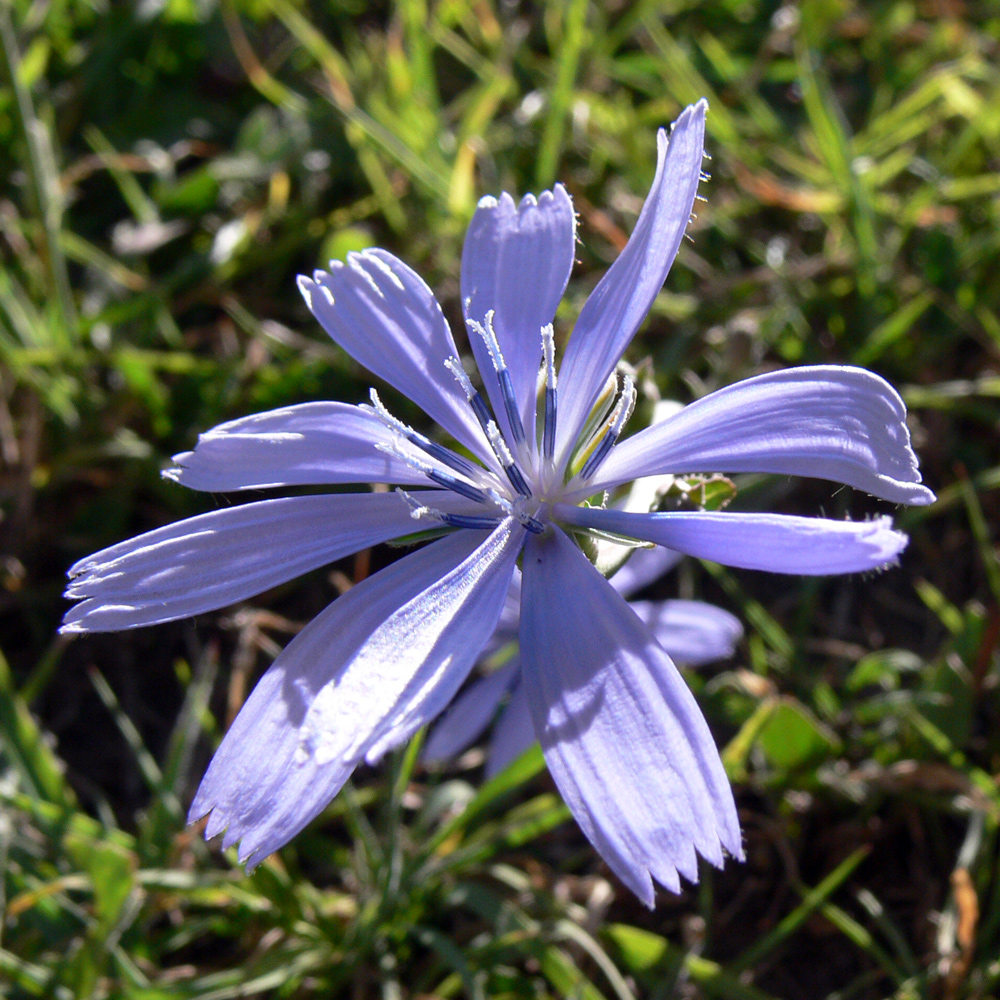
x,y
621,733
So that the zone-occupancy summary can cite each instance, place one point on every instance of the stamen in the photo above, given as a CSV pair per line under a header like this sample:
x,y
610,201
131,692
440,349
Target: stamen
x,y
517,480
472,394
549,350
619,417
457,486
514,510
506,459
503,375
448,481
624,409
599,413
497,443
442,454
419,510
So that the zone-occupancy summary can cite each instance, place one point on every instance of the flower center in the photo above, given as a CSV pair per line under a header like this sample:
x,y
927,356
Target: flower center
x,y
528,497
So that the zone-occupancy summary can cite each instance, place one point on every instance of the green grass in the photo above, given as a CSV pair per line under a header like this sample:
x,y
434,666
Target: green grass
x,y
168,168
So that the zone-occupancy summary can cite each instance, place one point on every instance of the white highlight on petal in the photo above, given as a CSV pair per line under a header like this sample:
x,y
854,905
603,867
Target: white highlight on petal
x,y
307,444
216,559
384,315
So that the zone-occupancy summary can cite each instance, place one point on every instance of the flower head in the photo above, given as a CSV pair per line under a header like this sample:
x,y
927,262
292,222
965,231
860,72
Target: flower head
x,y
621,733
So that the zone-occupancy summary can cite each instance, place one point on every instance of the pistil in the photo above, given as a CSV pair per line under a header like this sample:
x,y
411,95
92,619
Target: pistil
x,y
549,432
444,455
443,479
474,521
486,331
613,428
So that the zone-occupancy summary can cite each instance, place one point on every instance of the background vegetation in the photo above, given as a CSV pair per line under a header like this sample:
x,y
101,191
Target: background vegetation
x,y
169,166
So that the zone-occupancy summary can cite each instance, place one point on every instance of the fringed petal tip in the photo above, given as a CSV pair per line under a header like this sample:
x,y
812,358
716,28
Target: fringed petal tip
x,y
700,107
885,541
644,879
175,472
216,825
306,287
697,111
921,496
505,202
93,615
727,846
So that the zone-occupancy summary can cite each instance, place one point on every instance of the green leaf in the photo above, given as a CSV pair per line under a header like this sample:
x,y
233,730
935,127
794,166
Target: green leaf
x,y
23,743
339,243
882,669
792,737
736,753
512,777
648,956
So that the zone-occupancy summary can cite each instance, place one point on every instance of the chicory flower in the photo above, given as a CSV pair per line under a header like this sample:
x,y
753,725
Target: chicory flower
x,y
622,735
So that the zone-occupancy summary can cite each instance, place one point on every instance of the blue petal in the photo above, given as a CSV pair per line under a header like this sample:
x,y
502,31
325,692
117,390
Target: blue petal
x,y
513,734
375,666
838,423
622,735
778,543
623,297
691,632
446,628
215,559
516,261
388,320
644,566
308,444
469,715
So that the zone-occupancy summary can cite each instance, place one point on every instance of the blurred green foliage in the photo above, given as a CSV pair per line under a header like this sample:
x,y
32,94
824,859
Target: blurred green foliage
x,y
170,165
